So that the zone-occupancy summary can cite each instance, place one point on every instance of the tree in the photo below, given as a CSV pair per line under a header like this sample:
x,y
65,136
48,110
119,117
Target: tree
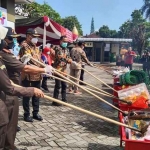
x,y
105,32
146,8
34,10
92,26
137,29
71,21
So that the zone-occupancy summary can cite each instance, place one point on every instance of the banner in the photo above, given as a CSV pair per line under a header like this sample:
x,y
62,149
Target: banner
x,y
3,16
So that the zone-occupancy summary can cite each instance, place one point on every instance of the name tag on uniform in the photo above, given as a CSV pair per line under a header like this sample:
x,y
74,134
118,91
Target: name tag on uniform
x,y
2,67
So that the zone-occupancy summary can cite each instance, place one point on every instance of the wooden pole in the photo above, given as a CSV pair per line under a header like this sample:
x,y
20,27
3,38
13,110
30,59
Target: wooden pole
x,y
124,101
99,80
74,78
87,84
62,76
86,111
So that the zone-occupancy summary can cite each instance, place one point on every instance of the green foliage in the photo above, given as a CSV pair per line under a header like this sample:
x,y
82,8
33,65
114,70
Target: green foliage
x,y
146,8
38,10
71,21
105,32
137,29
35,10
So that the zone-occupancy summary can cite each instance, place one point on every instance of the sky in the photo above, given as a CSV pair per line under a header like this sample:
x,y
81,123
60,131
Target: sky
x,y
105,12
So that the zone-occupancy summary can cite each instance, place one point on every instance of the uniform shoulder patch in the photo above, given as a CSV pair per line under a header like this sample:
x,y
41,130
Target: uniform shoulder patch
x,y
2,67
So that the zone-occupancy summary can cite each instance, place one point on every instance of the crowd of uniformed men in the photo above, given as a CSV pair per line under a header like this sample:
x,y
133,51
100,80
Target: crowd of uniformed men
x,y
13,69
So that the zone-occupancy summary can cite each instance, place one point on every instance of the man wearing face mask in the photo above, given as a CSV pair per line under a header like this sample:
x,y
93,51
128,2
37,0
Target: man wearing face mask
x,y
11,102
62,58
29,47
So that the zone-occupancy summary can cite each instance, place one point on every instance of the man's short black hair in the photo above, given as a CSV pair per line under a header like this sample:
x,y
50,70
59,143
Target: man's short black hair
x,y
81,43
62,37
20,40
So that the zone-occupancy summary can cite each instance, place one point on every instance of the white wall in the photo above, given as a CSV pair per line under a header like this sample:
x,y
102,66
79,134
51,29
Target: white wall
x,y
11,24
115,48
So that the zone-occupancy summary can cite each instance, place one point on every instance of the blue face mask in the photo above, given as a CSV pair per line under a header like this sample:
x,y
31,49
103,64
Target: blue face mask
x,y
64,45
16,47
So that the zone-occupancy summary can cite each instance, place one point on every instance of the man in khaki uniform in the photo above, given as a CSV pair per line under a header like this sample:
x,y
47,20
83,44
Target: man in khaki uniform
x,y
77,54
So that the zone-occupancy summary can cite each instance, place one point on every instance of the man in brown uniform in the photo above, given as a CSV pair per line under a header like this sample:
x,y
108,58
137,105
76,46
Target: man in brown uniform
x,y
5,117
14,65
77,54
31,80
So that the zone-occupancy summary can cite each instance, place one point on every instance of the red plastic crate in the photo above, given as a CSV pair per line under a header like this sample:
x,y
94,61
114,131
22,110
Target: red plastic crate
x,y
126,107
131,144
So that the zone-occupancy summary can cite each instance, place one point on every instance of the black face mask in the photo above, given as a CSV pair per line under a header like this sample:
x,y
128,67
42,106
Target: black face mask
x,y
10,45
1,45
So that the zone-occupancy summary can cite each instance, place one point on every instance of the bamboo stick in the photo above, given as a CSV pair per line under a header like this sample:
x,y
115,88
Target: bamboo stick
x,y
99,80
86,111
62,76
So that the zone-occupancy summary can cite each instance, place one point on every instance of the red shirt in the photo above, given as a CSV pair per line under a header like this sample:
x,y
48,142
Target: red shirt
x,y
129,57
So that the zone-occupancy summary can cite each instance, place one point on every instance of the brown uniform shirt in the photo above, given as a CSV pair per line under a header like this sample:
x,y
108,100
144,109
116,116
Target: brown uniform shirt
x,y
30,48
7,88
14,66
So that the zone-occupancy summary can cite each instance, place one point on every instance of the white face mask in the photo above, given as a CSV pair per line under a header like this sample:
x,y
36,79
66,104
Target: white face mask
x,y
34,40
48,53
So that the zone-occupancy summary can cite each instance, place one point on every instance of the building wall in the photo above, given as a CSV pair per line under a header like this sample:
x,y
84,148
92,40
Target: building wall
x,y
9,5
115,48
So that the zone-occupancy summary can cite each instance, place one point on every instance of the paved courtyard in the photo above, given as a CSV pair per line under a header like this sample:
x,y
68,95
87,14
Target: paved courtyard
x,y
66,129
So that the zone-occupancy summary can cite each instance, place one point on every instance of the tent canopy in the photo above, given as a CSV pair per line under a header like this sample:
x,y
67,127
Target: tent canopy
x,y
47,28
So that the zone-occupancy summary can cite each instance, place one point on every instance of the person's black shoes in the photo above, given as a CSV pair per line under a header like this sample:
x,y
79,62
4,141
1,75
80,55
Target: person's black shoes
x,y
56,104
82,84
37,117
18,129
28,119
45,88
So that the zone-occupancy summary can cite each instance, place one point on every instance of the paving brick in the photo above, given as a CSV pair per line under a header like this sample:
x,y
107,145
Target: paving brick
x,y
53,144
66,129
49,134
31,133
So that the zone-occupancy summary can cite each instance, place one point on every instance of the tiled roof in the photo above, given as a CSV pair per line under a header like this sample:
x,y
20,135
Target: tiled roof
x,y
92,35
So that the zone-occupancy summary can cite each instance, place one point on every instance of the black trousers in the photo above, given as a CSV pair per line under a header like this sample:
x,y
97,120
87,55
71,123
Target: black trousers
x,y
35,100
129,65
82,73
60,84
44,83
146,67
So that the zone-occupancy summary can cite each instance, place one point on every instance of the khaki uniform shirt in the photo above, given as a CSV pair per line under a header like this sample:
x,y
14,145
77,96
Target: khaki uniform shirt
x,y
78,55
30,48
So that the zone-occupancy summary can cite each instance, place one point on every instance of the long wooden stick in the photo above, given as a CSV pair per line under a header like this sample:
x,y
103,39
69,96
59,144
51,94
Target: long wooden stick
x,y
86,111
62,76
87,84
128,102
124,101
99,80
75,78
